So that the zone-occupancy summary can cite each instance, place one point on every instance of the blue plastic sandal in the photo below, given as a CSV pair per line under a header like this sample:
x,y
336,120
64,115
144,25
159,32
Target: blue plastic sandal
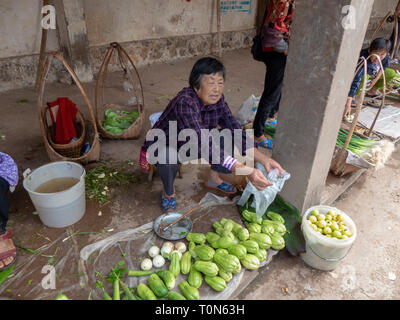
x,y
168,203
272,123
225,187
267,144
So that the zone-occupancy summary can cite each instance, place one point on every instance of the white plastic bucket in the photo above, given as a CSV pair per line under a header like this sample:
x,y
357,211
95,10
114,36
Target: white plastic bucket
x,y
61,209
322,252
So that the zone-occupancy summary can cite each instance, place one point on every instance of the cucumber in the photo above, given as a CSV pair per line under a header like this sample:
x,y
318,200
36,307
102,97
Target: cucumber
x,y
172,295
145,293
157,286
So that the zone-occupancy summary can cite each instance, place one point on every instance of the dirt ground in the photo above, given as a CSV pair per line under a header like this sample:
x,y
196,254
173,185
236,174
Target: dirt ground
x,y
373,202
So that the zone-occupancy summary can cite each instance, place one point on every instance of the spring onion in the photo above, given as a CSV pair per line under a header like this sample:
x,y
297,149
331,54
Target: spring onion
x,y
375,152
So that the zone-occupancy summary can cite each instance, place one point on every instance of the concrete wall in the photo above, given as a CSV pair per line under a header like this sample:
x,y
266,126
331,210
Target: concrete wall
x,y
379,10
20,30
151,31
140,20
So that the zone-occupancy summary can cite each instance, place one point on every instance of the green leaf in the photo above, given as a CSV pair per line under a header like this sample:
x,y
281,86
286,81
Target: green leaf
x,y
5,274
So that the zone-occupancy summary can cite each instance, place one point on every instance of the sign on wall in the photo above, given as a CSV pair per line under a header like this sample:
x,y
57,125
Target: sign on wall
x,y
228,6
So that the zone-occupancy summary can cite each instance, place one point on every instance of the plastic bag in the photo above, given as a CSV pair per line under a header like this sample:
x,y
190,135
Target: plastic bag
x,y
263,199
154,118
248,110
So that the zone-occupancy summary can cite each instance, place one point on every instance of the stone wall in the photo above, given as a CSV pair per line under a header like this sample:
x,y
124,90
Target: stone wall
x,y
163,32
160,31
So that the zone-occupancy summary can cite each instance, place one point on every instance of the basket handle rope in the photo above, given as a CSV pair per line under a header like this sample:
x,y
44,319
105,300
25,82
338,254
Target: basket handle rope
x,y
49,58
124,60
124,54
396,33
380,25
383,95
343,151
101,79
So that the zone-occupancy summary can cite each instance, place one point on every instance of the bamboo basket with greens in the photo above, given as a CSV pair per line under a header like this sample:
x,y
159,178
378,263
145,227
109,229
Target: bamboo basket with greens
x,y
119,120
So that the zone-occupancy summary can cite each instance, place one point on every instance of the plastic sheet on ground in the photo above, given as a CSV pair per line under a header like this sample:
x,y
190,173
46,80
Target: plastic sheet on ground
x,y
67,276
76,271
262,199
387,124
132,246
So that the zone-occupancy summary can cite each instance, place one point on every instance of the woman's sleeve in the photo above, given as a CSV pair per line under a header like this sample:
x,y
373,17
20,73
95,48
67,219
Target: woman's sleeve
x,y
356,83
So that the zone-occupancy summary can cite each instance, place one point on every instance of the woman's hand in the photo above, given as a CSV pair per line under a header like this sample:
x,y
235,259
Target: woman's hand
x,y
255,176
258,180
270,164
347,108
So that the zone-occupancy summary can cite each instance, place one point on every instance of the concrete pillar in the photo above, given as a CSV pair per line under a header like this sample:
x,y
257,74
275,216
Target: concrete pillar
x,y
320,68
72,32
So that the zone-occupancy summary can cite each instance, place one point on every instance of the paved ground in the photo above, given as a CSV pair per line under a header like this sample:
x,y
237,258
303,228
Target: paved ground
x,y
373,202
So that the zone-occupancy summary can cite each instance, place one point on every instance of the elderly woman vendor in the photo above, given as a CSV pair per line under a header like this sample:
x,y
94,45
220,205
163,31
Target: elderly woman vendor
x,y
199,108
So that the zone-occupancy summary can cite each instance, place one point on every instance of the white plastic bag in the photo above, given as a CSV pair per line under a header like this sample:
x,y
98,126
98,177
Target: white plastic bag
x,y
263,199
154,118
248,110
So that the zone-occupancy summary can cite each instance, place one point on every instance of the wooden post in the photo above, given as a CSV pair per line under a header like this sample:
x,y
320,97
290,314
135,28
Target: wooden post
x,y
73,38
219,27
42,51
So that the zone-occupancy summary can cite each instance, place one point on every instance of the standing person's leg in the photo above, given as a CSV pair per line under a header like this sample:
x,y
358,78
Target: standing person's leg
x,y
271,96
262,111
275,109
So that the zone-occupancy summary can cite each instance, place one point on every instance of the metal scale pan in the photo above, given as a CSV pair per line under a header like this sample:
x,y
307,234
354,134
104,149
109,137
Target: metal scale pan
x,y
175,232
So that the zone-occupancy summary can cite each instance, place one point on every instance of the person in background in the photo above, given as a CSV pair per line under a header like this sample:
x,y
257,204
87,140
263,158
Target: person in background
x,y
379,47
8,180
202,107
275,42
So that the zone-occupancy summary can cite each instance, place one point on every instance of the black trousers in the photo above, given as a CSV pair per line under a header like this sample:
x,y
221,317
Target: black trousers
x,y
271,97
4,204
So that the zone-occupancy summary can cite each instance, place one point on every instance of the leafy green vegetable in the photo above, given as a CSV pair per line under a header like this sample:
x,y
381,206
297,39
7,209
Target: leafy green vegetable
x,y
101,179
294,239
117,122
5,274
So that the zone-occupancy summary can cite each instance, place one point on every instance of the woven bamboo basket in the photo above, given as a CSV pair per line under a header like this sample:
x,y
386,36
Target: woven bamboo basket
x,y
89,127
339,167
134,131
73,149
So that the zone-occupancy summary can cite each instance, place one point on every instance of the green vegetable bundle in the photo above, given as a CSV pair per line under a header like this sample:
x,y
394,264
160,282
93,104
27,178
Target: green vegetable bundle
x,y
375,152
118,121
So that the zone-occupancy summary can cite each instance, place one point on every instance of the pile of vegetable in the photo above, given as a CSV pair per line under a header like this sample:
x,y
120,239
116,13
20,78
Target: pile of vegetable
x,y
211,259
375,152
331,225
118,121
395,75
101,180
